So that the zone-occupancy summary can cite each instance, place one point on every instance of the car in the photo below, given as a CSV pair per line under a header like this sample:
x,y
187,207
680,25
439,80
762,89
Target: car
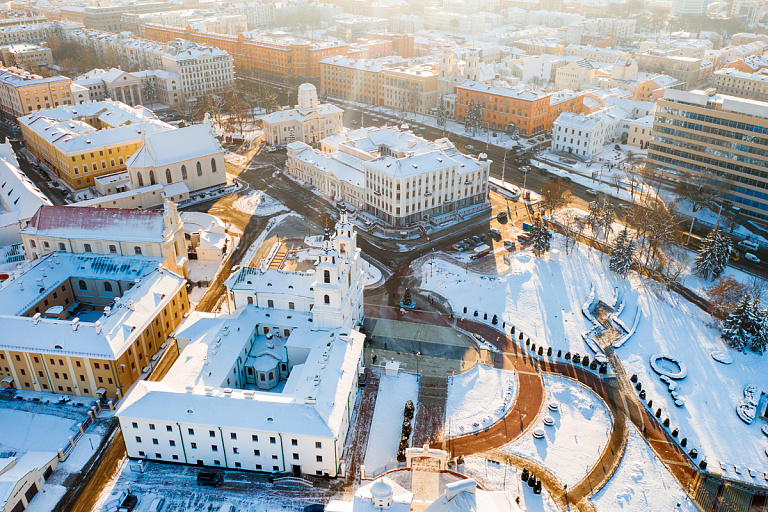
x,y
355,122
157,505
469,147
457,247
502,216
129,503
478,239
210,478
747,245
591,191
494,232
509,244
751,257
314,508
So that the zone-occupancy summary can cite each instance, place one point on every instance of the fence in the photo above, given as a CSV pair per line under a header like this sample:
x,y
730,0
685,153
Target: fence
x,y
81,429
372,475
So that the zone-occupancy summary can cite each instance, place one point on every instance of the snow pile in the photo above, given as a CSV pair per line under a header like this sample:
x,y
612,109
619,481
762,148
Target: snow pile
x,y
387,423
257,202
494,476
479,398
581,429
641,483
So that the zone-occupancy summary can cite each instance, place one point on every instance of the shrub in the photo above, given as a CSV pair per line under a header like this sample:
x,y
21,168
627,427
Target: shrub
x,y
465,309
521,336
658,413
642,395
495,320
576,358
537,488
693,453
638,386
528,341
567,355
684,442
512,331
549,351
650,404
541,350
524,476
475,312
593,365
533,347
703,464
585,360
559,353
666,422
603,369
485,316
408,412
675,432
633,378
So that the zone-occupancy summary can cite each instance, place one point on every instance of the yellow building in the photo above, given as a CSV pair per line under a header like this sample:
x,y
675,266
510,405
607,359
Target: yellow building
x,y
81,142
22,92
26,55
86,324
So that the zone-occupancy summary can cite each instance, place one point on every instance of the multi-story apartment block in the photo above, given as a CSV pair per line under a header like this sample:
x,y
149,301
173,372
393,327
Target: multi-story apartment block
x,y
10,17
86,324
594,53
26,55
393,175
148,233
82,142
586,135
309,122
350,27
506,108
280,56
22,92
203,69
270,387
733,82
750,64
410,88
689,7
690,71
719,138
35,33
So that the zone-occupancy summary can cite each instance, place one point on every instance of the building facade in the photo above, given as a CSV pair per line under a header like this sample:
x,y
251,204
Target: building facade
x,y
309,121
26,55
753,86
718,138
22,93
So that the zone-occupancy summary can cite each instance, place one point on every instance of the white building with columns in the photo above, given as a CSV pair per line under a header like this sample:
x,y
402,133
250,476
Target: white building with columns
x,y
270,387
309,122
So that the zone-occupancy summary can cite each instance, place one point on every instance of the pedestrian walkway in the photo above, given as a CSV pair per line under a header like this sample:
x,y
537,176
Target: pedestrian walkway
x,y
430,413
358,437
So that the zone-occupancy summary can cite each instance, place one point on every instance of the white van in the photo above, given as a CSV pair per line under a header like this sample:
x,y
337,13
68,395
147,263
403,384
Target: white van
x,y
157,505
747,245
227,507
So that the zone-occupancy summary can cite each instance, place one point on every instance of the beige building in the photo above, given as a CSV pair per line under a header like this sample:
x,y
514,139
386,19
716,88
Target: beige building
x,y
22,93
309,122
576,74
86,324
26,55
753,86
137,233
692,72
411,89
640,132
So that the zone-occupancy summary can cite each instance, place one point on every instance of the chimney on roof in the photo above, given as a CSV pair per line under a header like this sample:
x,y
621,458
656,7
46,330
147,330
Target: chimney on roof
x,y
75,323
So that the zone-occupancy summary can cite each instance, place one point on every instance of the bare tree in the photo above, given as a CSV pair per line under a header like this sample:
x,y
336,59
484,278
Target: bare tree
x,y
573,227
556,194
673,264
725,294
657,228
696,190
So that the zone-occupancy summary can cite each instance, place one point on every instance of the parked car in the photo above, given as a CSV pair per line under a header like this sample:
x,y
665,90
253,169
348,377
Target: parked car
x,y
495,232
591,191
509,244
751,257
314,508
747,245
129,503
210,478
157,505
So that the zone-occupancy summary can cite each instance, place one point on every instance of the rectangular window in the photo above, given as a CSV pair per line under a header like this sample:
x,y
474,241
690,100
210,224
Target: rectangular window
x,y
232,435
272,440
191,431
256,453
138,439
319,458
318,444
255,438
172,442
194,446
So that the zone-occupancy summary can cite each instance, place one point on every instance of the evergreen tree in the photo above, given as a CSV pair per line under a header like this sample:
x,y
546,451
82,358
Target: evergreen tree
x,y
407,297
723,246
539,237
607,217
708,262
595,214
737,325
622,255
442,114
760,340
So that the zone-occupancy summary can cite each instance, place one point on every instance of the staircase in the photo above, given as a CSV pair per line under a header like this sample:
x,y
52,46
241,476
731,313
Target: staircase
x,y
430,413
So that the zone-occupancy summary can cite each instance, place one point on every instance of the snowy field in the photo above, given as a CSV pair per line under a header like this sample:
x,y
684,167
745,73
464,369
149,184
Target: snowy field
x,y
386,426
641,483
257,202
499,476
543,298
580,431
479,398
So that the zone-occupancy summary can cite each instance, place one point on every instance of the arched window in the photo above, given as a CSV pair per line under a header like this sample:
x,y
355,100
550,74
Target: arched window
x,y
140,178
107,287
326,276
213,164
327,299
199,169
168,177
261,376
81,284
183,172
271,375
151,177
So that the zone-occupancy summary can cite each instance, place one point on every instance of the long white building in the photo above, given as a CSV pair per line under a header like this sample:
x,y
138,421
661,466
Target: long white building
x,y
309,122
270,387
393,174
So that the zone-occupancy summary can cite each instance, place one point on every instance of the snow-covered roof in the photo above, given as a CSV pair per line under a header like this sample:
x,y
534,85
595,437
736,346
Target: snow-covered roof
x,y
173,146
643,122
294,114
108,224
112,333
279,282
15,77
17,469
312,402
578,121
19,197
343,166
463,496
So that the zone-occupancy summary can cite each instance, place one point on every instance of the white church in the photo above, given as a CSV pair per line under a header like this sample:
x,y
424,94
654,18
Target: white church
x,y
270,387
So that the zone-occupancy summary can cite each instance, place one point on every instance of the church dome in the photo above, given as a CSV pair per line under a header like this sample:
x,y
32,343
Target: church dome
x,y
382,489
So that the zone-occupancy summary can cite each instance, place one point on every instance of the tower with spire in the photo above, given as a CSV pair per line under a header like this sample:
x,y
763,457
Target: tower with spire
x,y
338,290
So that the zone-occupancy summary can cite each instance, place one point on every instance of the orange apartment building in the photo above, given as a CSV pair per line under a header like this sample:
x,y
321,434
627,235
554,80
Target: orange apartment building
x,y
289,57
504,108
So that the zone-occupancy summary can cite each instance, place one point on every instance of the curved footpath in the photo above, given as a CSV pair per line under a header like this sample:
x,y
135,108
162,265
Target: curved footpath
x,y
624,405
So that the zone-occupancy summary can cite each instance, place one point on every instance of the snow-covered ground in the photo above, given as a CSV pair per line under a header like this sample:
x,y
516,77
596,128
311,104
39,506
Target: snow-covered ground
x,y
387,423
28,431
543,298
495,476
259,203
478,398
582,427
641,483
